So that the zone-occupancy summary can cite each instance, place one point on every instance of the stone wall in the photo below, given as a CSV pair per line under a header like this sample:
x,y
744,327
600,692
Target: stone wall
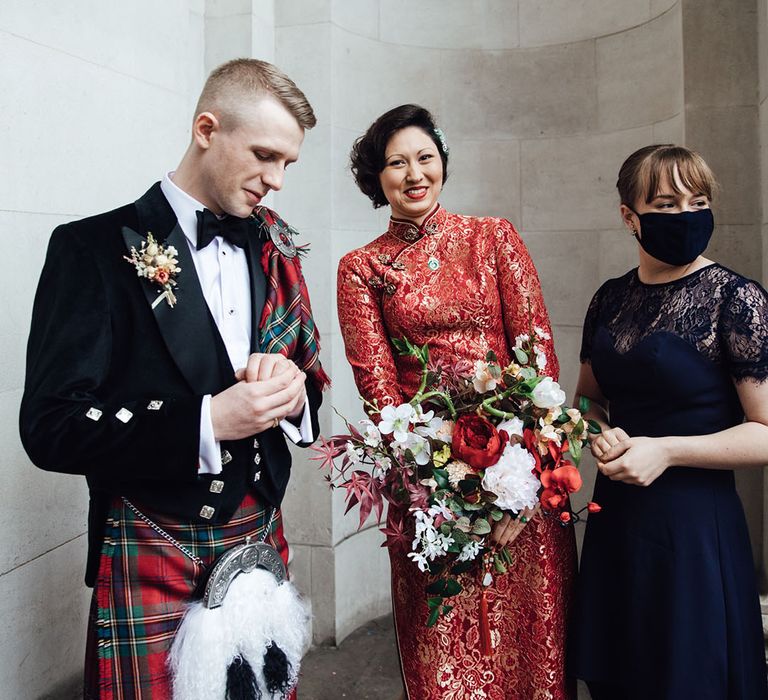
x,y
540,103
96,105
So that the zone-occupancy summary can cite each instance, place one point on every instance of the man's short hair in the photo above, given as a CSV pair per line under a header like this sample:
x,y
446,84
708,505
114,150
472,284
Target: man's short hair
x,y
230,86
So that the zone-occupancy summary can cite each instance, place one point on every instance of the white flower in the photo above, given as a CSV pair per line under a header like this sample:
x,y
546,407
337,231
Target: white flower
x,y
542,333
355,454
541,357
421,417
371,434
548,432
420,559
381,466
396,420
511,479
431,429
418,445
469,551
548,394
457,470
512,426
445,431
439,508
151,249
520,339
483,381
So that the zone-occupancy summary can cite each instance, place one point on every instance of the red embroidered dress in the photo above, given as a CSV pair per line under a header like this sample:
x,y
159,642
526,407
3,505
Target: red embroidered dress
x,y
464,285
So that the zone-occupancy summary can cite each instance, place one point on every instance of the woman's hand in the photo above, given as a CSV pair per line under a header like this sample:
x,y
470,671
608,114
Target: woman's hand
x,y
637,460
506,530
602,442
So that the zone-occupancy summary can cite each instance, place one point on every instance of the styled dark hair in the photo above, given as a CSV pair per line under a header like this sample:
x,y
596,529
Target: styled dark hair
x,y
367,157
641,173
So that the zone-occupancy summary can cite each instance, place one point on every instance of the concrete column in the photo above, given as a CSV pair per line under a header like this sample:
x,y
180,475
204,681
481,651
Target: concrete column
x,y
722,123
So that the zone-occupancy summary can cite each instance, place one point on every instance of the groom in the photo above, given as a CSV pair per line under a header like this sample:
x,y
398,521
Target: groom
x,y
171,352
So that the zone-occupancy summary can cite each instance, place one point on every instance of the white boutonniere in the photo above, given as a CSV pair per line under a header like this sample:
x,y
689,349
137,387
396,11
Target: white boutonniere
x,y
158,264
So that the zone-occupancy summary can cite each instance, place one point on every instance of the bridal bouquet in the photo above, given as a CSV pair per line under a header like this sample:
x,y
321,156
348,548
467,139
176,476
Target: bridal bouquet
x,y
474,442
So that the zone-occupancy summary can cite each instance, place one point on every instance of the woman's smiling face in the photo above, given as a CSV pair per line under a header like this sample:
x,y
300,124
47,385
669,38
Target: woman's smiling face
x,y
412,178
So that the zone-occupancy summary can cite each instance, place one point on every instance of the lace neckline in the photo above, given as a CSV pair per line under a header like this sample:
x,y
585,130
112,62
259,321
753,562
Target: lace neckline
x,y
409,232
680,280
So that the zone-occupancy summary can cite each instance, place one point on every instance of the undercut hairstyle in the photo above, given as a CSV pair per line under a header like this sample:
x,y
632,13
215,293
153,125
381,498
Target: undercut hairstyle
x,y
642,172
368,152
234,84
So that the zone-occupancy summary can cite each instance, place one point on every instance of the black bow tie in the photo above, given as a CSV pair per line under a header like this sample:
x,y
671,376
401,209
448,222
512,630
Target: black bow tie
x,y
230,228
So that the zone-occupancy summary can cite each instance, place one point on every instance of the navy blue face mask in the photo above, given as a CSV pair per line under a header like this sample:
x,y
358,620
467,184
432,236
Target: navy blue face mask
x,y
676,239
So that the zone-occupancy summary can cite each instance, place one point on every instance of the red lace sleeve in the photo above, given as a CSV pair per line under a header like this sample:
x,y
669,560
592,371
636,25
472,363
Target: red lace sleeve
x,y
521,297
366,339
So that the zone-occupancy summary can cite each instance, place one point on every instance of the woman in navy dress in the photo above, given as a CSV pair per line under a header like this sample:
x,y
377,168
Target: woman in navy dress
x,y
674,359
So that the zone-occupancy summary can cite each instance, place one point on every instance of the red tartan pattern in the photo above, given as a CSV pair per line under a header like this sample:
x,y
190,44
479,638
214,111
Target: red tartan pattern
x,y
286,324
140,593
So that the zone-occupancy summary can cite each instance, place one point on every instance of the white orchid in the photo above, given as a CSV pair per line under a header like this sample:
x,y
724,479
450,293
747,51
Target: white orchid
x,y
381,465
355,454
396,421
371,434
431,429
469,551
418,445
439,508
541,357
541,333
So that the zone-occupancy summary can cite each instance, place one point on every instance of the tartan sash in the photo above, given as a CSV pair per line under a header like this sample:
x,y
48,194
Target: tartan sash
x,y
286,323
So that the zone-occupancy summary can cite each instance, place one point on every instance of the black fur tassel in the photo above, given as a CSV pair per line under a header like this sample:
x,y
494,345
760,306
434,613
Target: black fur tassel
x,y
277,670
241,681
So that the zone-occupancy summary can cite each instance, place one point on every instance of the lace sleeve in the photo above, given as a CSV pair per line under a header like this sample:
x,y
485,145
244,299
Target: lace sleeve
x,y
366,339
744,332
590,326
520,290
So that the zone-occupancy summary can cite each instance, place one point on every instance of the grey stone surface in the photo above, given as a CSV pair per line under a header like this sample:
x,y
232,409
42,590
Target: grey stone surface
x,y
727,138
45,605
638,64
522,93
357,16
451,24
567,263
484,178
721,64
564,21
569,182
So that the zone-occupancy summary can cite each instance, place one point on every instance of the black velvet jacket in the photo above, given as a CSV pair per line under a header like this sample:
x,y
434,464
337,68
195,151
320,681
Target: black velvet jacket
x,y
97,343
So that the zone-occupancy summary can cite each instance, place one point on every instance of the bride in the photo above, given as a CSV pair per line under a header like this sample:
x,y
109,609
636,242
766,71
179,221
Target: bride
x,y
464,285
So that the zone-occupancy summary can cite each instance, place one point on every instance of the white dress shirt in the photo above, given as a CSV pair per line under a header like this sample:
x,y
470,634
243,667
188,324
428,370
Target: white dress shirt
x,y
225,279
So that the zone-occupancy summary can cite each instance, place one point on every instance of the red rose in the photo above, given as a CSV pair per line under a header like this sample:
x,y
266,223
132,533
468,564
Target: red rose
x,y
593,507
162,275
477,442
558,483
565,517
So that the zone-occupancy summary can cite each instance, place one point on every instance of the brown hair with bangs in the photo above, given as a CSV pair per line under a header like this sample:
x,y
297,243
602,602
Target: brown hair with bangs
x,y
642,172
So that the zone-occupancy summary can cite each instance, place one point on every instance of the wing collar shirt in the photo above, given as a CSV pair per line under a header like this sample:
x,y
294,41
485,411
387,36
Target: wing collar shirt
x,y
224,277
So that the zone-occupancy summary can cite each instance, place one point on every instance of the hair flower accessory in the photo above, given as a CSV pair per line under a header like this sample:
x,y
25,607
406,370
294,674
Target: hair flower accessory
x,y
158,264
441,137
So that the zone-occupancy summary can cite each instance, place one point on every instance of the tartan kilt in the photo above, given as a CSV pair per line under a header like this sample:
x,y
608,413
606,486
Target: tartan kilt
x,y
141,590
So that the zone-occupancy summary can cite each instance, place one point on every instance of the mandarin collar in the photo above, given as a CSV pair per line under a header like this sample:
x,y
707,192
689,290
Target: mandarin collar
x,y
408,231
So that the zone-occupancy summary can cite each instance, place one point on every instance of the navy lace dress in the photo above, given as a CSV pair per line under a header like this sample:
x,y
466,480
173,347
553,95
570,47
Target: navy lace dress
x,y
667,605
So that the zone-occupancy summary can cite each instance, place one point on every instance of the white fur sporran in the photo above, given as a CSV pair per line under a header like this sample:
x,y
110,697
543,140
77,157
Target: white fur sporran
x,y
246,638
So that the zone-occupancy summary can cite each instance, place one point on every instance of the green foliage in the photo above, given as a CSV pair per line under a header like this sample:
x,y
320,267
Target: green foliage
x,y
481,527
583,404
